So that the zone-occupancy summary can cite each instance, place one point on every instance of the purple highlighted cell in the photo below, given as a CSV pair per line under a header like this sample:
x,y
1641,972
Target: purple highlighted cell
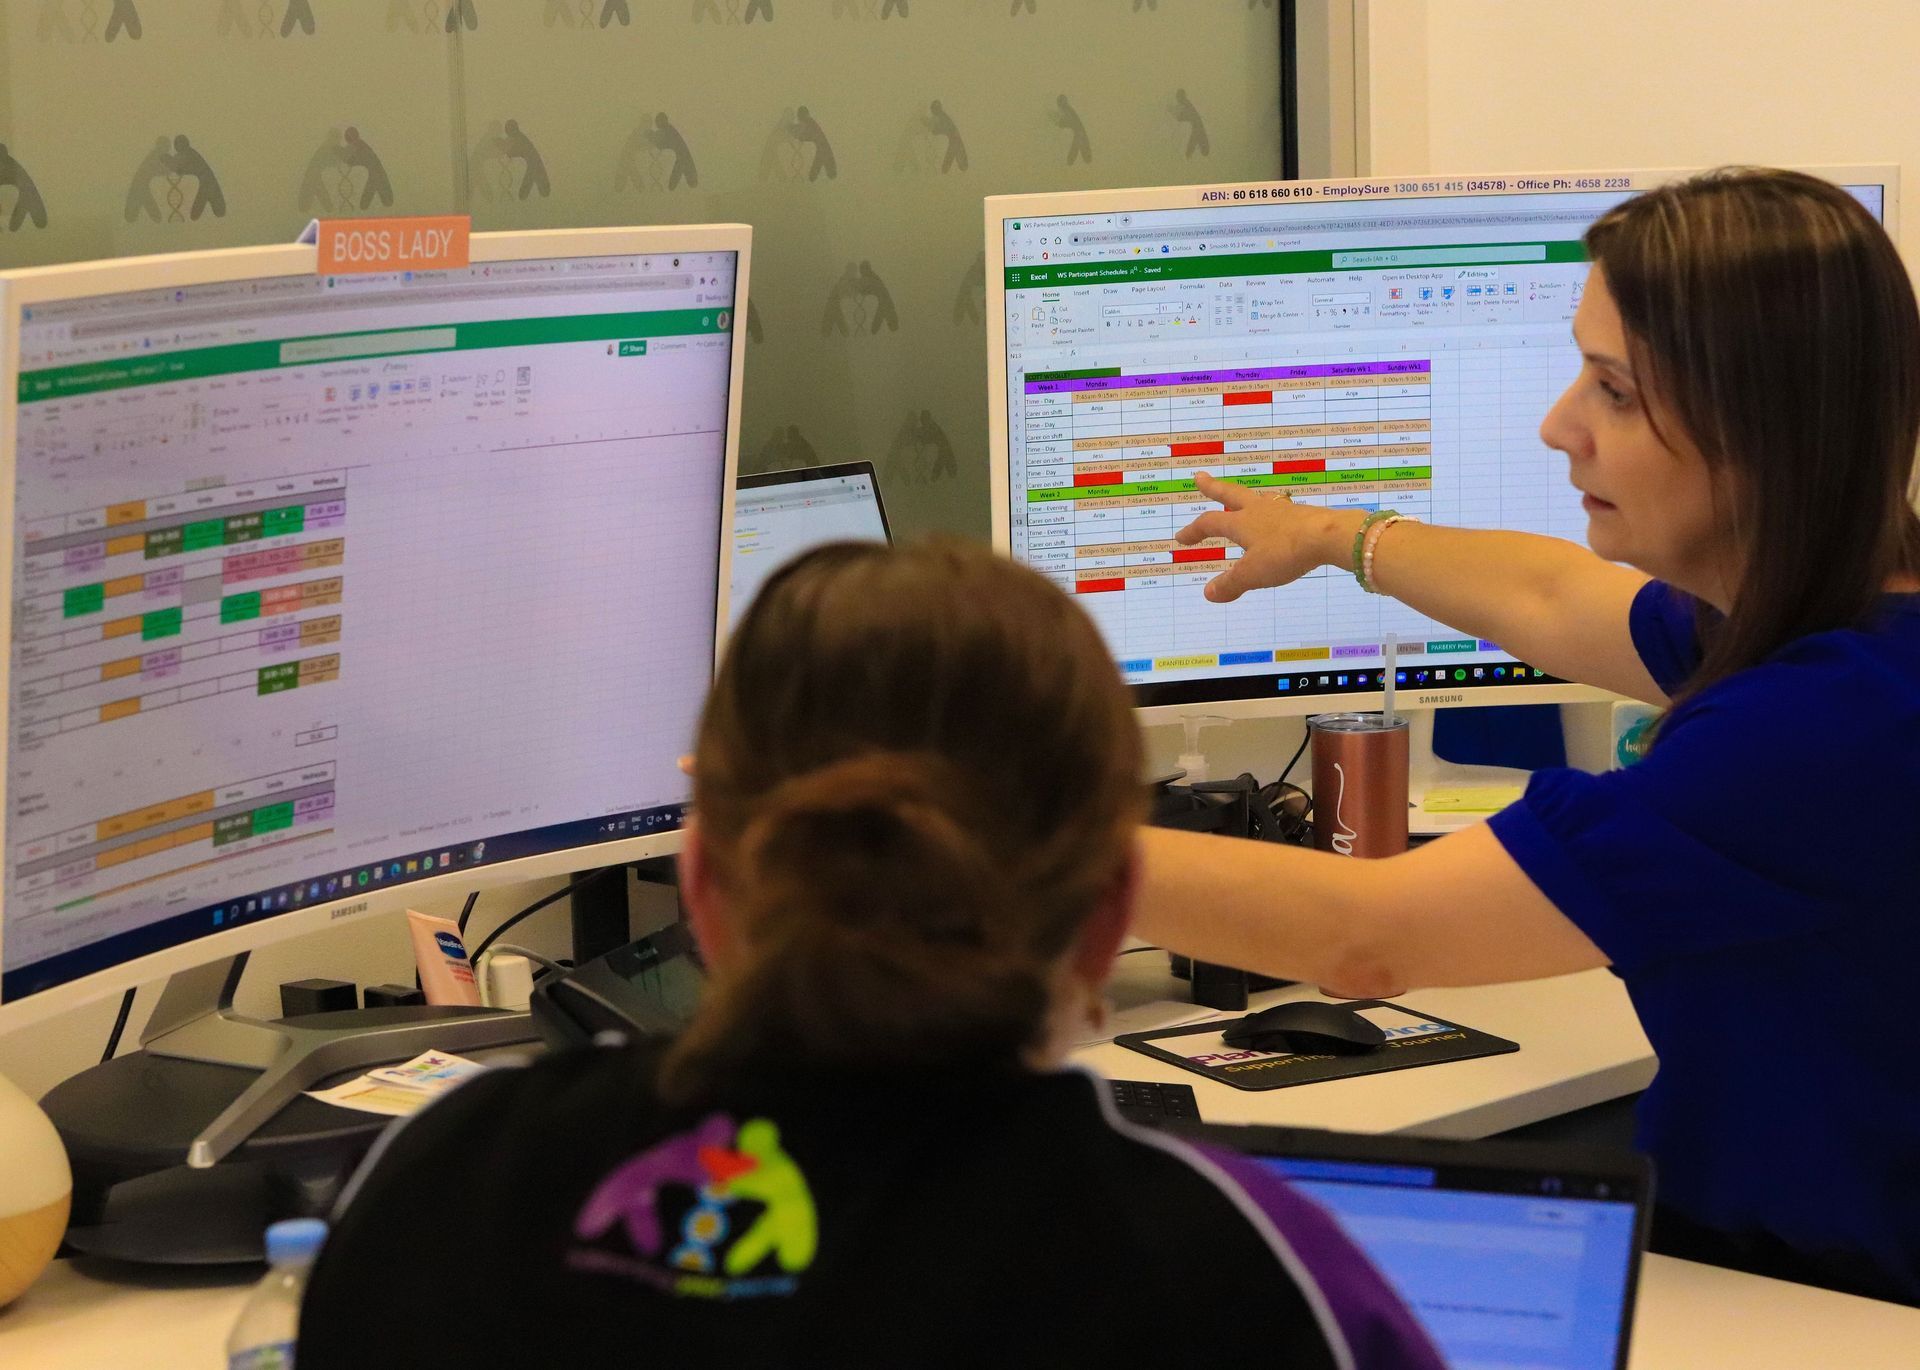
x,y
86,554
1340,653
153,661
330,509
281,635
312,807
1261,373
166,578
160,672
1486,646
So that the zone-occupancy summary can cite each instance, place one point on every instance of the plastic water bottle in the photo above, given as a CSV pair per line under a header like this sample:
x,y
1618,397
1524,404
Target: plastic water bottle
x,y
263,1337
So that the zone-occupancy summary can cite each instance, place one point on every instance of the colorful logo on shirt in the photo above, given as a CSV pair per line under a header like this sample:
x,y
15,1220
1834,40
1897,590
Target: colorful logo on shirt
x,y
719,1212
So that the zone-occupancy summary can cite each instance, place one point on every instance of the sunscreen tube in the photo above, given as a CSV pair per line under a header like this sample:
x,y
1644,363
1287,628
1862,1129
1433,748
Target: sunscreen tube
x,y
446,976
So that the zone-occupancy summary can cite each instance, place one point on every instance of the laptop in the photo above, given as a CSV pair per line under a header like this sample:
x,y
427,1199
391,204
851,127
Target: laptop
x,y
1513,1255
777,515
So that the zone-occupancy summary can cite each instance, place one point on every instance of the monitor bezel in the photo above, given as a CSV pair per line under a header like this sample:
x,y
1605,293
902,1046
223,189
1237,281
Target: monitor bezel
x,y
1602,1164
38,285
1266,195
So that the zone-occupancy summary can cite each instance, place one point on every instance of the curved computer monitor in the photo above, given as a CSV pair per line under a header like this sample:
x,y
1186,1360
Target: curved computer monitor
x,y
1382,343
329,595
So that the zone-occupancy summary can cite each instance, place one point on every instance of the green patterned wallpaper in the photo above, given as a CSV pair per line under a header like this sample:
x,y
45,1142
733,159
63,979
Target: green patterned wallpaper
x,y
857,136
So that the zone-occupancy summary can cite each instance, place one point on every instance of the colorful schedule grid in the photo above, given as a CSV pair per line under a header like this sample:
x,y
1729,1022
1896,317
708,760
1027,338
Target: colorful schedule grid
x,y
192,830
1110,459
156,602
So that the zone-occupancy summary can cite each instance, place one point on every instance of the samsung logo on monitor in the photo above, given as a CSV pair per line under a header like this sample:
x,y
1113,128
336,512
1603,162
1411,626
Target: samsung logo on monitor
x,y
1440,699
348,910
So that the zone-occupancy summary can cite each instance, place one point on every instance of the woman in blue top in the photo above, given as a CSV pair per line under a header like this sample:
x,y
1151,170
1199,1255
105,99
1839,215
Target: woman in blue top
x,y
1743,429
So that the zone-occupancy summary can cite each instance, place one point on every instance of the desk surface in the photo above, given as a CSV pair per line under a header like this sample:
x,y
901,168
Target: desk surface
x,y
1580,1044
1689,1317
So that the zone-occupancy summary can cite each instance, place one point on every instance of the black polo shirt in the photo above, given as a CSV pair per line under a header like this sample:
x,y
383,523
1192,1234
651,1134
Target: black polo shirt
x,y
560,1215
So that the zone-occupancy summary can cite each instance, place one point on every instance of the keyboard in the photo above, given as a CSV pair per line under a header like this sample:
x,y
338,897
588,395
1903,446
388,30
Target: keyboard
x,y
1152,1104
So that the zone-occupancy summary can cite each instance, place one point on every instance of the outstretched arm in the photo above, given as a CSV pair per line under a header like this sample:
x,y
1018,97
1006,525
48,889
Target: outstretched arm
x,y
1549,602
1457,911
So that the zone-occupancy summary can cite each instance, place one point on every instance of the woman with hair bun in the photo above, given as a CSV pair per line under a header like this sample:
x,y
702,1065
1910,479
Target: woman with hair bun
x,y
918,804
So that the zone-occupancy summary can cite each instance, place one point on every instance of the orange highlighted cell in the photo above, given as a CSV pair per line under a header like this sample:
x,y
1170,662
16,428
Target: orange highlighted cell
x,y
136,542
165,812
126,585
120,708
130,512
133,851
113,670
120,627
317,669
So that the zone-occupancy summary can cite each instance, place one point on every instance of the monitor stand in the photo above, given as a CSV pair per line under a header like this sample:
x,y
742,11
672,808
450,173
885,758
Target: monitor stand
x,y
194,1021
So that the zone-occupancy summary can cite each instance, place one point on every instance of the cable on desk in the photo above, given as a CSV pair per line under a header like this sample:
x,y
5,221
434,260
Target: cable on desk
x,y
119,1025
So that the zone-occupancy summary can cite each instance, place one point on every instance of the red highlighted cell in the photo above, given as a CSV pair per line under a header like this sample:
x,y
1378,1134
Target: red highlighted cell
x,y
1198,449
1247,397
1094,587
1096,478
1287,468
280,599
1199,554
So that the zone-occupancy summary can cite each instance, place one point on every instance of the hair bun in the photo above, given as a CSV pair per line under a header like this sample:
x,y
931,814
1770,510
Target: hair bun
x,y
883,841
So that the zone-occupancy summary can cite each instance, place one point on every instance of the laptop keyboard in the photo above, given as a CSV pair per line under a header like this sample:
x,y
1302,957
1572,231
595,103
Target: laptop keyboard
x,y
1151,1103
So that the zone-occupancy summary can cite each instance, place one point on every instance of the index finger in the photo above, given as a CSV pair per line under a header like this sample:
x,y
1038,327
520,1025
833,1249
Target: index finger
x,y
1227,493
1216,523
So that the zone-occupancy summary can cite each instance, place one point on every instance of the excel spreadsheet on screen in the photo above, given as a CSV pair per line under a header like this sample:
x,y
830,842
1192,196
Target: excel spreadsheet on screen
x,y
320,587
1355,344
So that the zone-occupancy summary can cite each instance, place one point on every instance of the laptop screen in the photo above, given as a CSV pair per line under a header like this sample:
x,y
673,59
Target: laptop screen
x,y
781,514
1504,1268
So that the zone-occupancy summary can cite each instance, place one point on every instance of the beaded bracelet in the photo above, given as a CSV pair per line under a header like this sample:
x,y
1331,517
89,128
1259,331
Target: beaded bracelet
x,y
1367,524
1373,541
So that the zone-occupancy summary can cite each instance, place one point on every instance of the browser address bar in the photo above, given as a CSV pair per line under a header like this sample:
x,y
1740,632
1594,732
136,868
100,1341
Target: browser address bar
x,y
1291,227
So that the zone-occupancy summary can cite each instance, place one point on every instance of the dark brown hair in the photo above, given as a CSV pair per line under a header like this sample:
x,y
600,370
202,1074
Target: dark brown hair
x,y
1769,318
917,774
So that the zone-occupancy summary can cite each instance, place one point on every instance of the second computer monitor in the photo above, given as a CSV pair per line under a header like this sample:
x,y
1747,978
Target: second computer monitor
x,y
1362,345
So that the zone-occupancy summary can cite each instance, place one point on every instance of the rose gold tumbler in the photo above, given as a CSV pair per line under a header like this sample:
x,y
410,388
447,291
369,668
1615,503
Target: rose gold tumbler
x,y
1359,784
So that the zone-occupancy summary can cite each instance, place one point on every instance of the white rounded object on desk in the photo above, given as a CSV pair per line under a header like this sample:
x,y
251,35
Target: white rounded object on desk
x,y
36,1191
509,981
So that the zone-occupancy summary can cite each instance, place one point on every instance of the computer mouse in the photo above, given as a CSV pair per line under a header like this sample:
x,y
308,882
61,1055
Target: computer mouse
x,y
1306,1027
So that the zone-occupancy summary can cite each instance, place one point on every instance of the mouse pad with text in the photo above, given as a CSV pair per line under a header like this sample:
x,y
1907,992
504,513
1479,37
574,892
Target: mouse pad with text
x,y
1413,1039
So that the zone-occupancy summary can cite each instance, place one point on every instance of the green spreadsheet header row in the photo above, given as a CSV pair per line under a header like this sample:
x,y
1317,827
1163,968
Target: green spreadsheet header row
x,y
195,363
1201,267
